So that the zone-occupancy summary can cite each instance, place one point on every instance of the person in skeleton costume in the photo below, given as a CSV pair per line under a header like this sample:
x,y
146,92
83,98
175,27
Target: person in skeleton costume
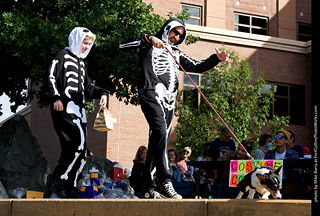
x,y
158,89
69,85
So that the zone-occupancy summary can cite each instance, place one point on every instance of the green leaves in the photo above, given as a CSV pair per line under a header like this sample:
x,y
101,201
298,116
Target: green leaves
x,y
32,33
236,96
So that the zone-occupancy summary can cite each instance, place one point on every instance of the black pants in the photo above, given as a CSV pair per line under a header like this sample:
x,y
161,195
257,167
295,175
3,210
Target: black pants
x,y
159,119
72,134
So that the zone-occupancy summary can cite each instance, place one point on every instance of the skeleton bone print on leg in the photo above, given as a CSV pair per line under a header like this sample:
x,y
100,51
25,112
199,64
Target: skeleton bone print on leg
x,y
65,175
72,85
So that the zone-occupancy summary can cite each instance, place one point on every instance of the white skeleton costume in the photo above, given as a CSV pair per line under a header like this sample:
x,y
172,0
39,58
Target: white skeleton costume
x,y
69,83
158,88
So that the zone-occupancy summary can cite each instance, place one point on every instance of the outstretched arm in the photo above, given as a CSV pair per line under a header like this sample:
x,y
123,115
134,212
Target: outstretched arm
x,y
192,65
134,45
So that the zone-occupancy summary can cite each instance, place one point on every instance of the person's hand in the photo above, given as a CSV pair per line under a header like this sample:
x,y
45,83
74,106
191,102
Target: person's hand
x,y
182,172
157,43
223,56
58,106
103,101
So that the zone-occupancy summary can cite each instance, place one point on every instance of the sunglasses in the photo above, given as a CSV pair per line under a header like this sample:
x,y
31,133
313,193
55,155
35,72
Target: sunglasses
x,y
177,33
279,137
185,151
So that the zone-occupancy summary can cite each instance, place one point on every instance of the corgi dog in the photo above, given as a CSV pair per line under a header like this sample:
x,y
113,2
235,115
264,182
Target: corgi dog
x,y
263,180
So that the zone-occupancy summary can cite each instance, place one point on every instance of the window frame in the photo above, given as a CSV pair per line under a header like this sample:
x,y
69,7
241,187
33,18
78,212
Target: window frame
x,y
250,26
289,97
193,17
301,34
192,86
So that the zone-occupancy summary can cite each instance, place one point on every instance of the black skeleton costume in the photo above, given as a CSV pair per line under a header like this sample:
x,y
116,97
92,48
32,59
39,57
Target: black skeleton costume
x,y
68,82
158,88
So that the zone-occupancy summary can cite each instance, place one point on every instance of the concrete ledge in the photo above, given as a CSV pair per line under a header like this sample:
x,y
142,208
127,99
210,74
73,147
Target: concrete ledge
x,y
5,207
259,207
55,207
246,39
108,207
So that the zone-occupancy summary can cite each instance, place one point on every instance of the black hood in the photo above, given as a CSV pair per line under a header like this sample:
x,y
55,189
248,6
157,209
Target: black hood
x,y
166,28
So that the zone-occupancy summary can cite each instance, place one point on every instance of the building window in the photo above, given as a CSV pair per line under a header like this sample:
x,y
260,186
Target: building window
x,y
195,12
189,91
289,101
251,24
304,32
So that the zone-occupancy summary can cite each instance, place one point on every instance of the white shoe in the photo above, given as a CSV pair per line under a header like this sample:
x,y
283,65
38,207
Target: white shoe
x,y
152,194
169,191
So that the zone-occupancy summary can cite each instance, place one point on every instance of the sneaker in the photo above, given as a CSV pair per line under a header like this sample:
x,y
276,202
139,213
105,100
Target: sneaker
x,y
152,194
169,191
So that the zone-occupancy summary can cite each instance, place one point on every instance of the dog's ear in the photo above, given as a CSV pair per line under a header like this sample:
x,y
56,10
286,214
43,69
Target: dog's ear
x,y
262,178
278,170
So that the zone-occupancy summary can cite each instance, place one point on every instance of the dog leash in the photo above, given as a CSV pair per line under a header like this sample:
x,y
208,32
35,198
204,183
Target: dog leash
x,y
247,153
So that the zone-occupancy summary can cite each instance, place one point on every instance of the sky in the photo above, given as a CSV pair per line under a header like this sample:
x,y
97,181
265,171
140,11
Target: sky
x,y
4,100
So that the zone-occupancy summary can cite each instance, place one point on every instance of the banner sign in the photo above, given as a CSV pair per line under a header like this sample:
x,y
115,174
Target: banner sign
x,y
240,168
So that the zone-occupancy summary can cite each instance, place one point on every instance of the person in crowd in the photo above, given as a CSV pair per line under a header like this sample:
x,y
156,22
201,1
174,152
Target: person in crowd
x,y
187,170
182,173
290,177
137,170
281,151
222,144
224,191
295,147
265,142
177,172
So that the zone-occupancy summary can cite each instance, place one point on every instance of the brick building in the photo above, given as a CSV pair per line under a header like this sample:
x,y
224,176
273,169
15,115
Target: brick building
x,y
273,34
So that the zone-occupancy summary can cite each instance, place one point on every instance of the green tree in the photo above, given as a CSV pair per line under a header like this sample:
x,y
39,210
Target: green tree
x,y
33,31
236,95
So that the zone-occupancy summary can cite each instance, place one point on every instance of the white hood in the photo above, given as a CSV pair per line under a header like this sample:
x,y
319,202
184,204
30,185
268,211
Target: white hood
x,y
173,22
76,37
166,31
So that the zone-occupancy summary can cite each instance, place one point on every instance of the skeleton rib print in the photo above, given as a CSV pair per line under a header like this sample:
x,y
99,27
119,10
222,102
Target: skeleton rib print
x,y
72,76
162,63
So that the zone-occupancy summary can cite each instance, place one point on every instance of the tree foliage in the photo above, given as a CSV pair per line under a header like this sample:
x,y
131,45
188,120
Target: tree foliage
x,y
237,95
33,31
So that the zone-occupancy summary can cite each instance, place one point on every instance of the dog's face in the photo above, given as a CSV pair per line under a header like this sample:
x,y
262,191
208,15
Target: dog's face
x,y
271,182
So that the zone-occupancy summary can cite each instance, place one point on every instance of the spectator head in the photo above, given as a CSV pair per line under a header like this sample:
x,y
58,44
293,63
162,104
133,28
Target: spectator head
x,y
282,138
186,153
141,154
225,134
265,139
240,152
172,156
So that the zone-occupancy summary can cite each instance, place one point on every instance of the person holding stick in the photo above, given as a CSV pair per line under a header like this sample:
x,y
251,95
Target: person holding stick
x,y
158,89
